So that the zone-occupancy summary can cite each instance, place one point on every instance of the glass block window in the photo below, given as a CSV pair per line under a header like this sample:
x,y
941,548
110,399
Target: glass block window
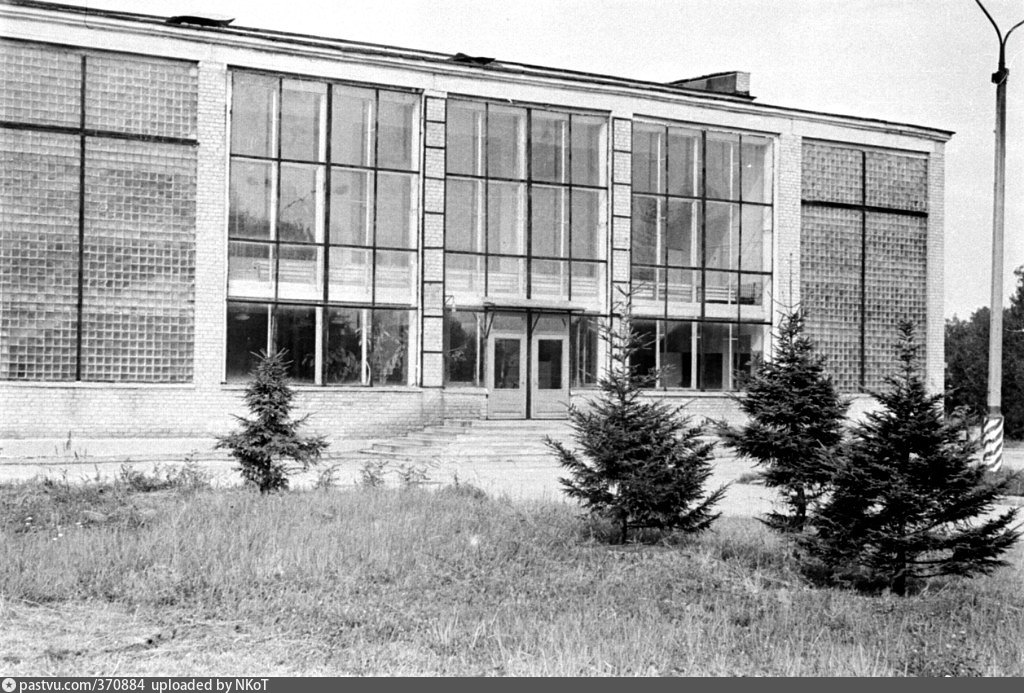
x,y
40,85
141,96
894,286
139,261
830,288
526,204
324,217
701,236
97,216
863,255
39,200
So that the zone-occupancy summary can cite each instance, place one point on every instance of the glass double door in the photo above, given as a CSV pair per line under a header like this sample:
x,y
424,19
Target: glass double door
x,y
528,366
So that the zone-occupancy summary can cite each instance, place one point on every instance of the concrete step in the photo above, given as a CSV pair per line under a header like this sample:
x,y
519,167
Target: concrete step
x,y
468,440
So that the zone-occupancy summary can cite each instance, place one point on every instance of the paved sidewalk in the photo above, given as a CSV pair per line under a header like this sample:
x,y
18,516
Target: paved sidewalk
x,y
516,479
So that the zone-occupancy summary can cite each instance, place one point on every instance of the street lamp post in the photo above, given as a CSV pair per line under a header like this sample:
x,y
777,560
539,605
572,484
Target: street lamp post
x,y
992,433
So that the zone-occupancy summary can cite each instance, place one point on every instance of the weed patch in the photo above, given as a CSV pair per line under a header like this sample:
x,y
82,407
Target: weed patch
x,y
449,581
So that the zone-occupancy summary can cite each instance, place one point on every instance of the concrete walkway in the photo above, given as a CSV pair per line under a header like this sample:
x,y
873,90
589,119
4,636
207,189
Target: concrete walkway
x,y
533,477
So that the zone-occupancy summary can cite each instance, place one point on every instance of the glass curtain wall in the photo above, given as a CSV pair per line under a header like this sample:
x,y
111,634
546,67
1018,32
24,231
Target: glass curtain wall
x,y
701,252
323,229
526,208
526,218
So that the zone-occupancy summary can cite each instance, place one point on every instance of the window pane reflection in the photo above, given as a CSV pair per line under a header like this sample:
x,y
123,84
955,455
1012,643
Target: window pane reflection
x,y
351,275
353,126
351,211
756,240
684,162
723,166
396,210
506,218
757,169
549,142
589,221
506,142
246,338
464,221
648,222
649,158
550,279
388,355
396,276
465,133
343,360
397,147
295,335
722,235
250,199
299,214
251,269
303,119
463,352
299,272
253,114
588,150
549,229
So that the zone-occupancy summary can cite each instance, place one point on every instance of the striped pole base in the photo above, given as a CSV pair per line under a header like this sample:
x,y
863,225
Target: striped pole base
x,y
992,443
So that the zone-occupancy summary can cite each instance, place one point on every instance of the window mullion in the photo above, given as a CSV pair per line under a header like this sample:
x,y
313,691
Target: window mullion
x,y
81,227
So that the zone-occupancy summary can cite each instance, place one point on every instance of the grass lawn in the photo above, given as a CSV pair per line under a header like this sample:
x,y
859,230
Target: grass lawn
x,y
140,578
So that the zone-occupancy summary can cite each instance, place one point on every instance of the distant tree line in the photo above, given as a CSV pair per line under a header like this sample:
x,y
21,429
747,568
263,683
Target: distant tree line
x,y
967,363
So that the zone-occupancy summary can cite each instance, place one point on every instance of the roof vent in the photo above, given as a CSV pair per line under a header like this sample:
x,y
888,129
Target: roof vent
x,y
200,20
471,59
735,83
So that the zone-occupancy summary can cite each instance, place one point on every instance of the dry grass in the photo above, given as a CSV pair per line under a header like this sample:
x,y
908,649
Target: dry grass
x,y
186,581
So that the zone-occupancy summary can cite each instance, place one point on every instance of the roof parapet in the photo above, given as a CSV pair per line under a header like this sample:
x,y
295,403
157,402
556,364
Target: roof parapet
x,y
735,83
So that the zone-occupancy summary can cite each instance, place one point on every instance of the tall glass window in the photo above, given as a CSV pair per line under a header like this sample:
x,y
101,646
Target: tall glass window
x,y
526,208
701,249
323,227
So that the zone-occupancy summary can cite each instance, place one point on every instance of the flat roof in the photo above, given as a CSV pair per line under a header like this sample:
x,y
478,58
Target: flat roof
x,y
442,59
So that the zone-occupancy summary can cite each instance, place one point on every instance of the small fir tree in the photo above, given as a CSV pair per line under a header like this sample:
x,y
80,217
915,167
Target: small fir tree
x,y
267,440
642,465
908,501
795,423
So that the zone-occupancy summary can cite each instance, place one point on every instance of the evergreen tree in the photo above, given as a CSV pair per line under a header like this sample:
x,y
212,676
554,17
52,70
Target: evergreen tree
x,y
795,423
908,501
642,465
266,441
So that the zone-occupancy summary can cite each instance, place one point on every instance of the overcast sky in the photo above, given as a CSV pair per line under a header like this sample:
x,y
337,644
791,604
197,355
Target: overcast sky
x,y
926,62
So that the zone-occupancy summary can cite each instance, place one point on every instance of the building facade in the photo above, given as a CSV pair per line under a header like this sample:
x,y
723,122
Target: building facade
x,y
427,236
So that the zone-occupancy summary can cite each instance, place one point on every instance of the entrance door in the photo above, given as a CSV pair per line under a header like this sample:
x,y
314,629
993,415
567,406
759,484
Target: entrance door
x,y
506,372
549,368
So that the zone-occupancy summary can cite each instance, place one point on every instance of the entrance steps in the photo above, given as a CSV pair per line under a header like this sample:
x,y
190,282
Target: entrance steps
x,y
484,440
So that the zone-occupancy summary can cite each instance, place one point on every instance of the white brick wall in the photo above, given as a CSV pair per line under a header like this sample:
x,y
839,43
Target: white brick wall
x,y
433,195
786,255
211,225
434,164
935,346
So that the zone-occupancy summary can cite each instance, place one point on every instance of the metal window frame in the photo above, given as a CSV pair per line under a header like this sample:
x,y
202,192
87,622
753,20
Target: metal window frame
x,y
702,199
326,301
529,182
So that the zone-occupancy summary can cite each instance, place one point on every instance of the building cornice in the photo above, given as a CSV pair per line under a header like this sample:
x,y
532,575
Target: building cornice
x,y
428,62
